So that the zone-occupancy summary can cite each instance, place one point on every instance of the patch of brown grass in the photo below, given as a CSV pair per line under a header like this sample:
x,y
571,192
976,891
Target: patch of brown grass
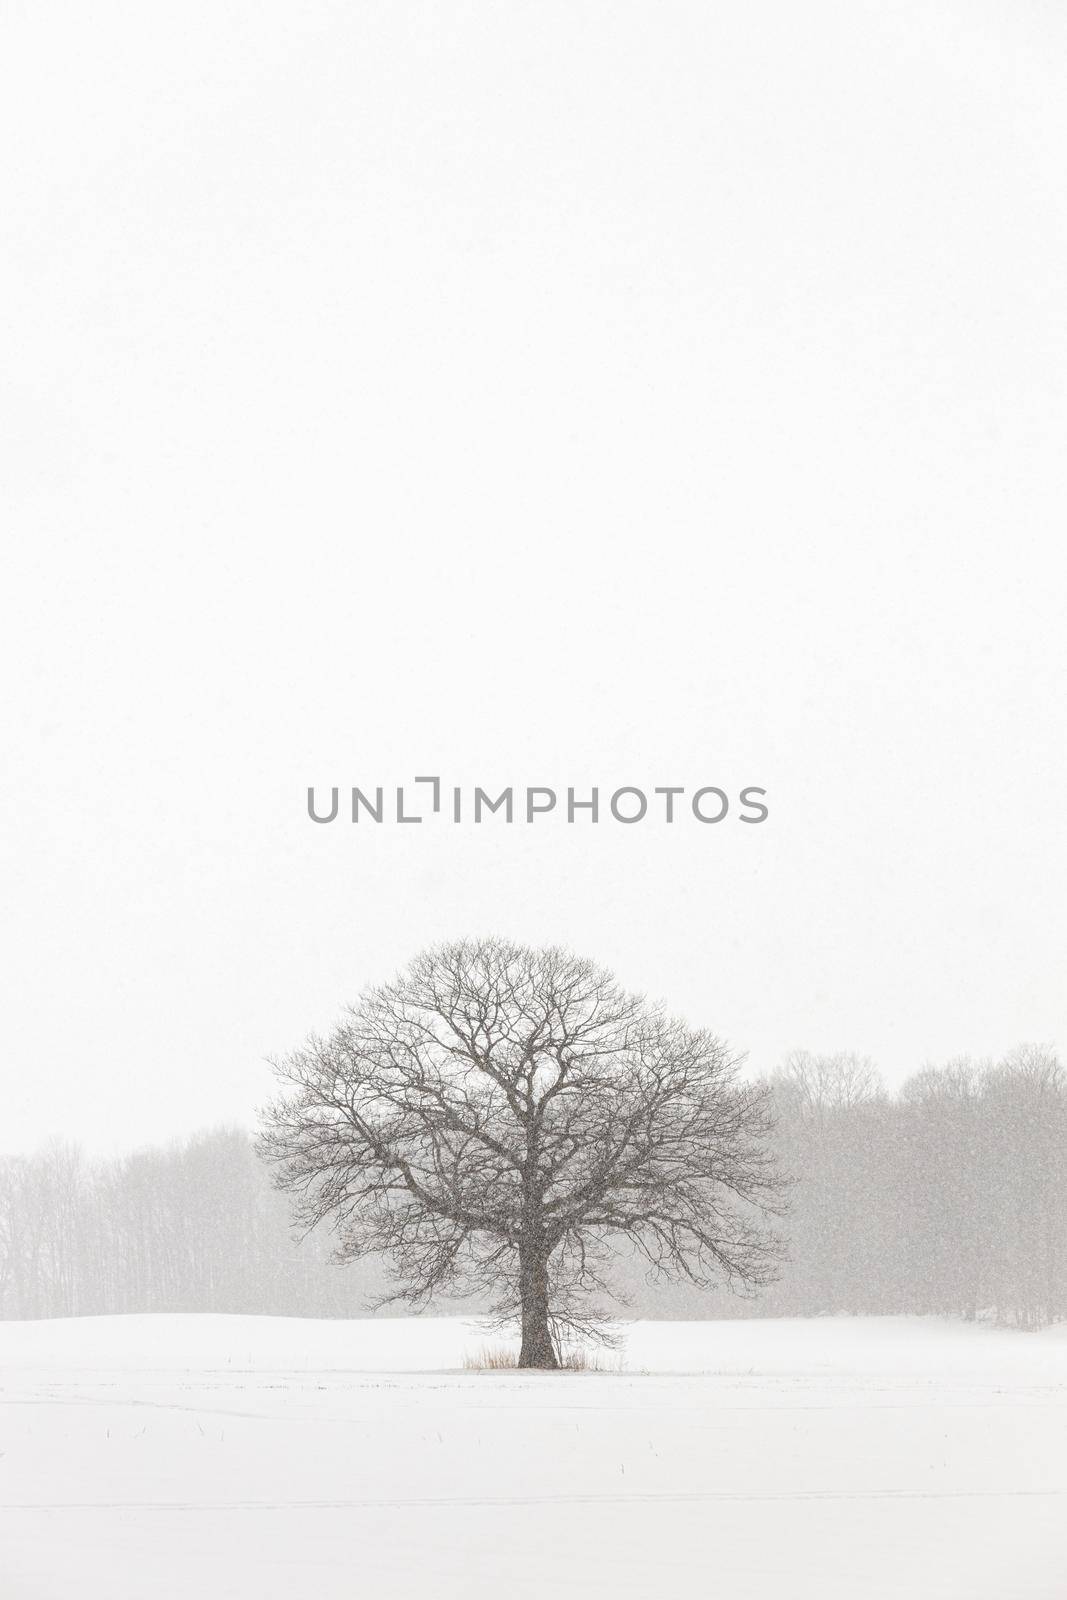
x,y
573,1358
490,1358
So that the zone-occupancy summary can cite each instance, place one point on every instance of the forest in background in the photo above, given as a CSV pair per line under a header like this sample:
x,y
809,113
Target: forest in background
x,y
946,1197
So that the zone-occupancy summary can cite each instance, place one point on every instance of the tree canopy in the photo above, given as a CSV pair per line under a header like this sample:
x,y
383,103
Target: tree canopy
x,y
499,1118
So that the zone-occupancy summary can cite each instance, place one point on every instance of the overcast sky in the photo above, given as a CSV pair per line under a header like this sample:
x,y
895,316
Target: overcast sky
x,y
534,394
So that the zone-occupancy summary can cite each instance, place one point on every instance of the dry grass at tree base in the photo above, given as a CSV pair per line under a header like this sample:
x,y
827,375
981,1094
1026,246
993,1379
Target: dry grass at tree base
x,y
573,1358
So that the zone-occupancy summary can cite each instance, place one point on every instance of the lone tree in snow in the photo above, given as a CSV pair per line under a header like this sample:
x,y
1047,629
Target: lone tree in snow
x,y
497,1119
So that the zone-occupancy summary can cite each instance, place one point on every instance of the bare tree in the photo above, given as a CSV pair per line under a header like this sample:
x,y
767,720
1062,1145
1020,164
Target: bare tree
x,y
829,1082
833,1137
942,1144
1025,1104
496,1117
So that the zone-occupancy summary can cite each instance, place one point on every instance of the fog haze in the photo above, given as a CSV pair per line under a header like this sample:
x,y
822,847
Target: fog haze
x,y
557,395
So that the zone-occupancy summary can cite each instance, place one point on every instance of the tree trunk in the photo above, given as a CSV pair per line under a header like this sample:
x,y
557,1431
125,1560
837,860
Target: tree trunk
x,y
537,1349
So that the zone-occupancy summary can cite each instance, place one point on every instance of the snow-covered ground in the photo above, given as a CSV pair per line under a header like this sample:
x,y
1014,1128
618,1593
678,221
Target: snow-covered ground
x,y
245,1458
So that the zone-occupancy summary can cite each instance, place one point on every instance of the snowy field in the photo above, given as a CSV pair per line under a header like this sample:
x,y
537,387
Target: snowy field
x,y
242,1458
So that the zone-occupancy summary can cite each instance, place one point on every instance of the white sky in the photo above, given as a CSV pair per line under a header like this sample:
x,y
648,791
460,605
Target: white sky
x,y
530,393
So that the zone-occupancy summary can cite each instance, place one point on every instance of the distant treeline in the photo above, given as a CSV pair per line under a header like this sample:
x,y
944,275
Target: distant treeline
x,y
948,1197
